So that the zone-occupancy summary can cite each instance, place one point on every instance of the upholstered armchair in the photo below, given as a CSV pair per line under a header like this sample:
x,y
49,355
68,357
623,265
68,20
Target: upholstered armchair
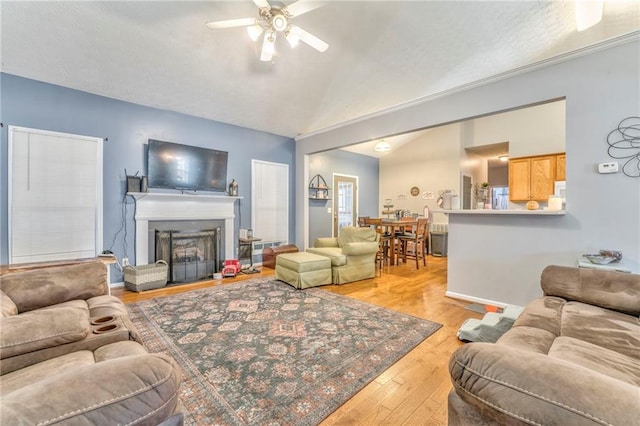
x,y
49,312
352,254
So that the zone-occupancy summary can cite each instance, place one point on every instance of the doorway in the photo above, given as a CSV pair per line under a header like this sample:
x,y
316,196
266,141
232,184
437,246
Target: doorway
x,y
345,202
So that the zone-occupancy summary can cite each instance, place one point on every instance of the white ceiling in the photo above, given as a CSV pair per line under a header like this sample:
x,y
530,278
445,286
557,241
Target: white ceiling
x,y
381,54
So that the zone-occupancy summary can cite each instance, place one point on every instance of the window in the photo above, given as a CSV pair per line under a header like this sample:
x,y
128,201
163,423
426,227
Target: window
x,y
270,201
55,196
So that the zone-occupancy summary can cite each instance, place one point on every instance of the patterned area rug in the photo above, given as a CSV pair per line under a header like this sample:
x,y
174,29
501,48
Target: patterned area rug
x,y
259,352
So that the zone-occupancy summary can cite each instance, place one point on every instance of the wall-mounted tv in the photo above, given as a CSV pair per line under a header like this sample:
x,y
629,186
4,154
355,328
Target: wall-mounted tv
x,y
176,166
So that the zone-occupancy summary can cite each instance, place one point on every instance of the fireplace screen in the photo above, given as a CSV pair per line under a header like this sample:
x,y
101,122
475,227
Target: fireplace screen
x,y
191,255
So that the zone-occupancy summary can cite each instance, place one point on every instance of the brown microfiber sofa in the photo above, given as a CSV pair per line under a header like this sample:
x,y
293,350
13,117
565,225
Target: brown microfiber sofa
x,y
352,254
571,358
69,354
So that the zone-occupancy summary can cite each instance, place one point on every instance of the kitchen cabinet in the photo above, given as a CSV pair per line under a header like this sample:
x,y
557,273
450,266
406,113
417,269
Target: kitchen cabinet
x,y
560,167
532,178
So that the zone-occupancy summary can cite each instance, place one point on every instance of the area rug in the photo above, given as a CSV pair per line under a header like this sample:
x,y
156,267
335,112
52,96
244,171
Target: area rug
x,y
259,352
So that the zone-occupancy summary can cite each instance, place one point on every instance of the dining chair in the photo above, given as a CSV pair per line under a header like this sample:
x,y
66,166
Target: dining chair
x,y
384,243
362,221
418,240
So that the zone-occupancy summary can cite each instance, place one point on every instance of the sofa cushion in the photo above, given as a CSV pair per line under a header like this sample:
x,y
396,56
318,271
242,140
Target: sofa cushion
x,y
351,234
43,328
124,385
597,358
49,368
513,386
608,289
333,253
38,288
602,327
7,307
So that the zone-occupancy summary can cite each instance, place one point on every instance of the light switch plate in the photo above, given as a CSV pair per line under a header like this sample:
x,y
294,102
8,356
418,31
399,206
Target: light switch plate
x,y
611,167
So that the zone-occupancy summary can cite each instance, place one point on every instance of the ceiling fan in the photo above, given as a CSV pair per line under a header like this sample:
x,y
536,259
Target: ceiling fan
x,y
273,20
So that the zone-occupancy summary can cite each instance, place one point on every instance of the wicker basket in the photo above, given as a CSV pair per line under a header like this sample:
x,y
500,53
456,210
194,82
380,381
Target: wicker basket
x,y
146,277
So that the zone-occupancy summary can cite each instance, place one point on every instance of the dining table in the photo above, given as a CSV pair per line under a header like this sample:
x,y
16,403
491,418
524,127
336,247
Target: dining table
x,y
390,226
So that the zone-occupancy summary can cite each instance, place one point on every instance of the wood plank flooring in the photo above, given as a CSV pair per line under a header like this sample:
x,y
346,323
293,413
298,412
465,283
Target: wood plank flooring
x,y
414,390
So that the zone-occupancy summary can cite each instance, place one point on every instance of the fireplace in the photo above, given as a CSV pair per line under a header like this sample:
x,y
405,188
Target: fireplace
x,y
183,212
191,255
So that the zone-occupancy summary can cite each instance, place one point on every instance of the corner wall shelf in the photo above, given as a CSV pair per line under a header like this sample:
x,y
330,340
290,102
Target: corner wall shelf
x,y
318,189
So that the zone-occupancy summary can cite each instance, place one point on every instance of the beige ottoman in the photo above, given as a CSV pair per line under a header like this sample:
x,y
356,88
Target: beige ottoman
x,y
303,270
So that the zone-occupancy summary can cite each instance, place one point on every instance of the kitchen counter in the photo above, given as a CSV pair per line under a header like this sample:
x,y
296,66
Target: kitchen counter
x,y
506,212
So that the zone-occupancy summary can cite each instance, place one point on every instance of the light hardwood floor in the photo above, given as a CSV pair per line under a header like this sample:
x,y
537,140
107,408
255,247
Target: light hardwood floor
x,y
414,390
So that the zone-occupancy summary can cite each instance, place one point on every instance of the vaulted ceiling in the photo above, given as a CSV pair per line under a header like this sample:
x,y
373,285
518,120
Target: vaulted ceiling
x,y
382,53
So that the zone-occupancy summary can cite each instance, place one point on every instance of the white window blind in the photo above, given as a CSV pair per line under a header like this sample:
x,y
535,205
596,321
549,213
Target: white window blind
x,y
55,196
270,201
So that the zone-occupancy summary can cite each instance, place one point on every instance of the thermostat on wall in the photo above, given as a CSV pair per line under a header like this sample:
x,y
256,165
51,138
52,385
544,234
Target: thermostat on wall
x,y
611,167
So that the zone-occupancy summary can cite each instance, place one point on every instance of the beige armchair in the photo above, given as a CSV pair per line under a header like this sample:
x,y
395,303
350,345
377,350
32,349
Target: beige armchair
x,y
352,254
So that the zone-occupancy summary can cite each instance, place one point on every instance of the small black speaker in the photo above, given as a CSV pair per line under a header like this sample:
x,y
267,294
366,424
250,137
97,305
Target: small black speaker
x,y
133,184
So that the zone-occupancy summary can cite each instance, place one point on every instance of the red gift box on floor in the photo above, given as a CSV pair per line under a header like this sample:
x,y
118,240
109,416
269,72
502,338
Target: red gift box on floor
x,y
231,268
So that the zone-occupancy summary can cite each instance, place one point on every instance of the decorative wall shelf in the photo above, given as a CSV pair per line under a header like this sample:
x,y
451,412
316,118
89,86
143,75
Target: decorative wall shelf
x,y
318,189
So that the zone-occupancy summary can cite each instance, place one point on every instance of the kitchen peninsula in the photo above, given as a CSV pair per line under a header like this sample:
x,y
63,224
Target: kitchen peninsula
x,y
485,247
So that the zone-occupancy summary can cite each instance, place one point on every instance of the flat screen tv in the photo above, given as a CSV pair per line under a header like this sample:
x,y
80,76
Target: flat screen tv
x,y
176,166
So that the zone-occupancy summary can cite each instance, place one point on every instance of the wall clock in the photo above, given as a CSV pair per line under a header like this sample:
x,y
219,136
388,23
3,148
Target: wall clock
x,y
415,191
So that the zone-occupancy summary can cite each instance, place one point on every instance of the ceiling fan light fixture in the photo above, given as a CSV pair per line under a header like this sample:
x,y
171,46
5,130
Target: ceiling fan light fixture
x,y
254,32
293,39
279,22
588,13
382,146
268,46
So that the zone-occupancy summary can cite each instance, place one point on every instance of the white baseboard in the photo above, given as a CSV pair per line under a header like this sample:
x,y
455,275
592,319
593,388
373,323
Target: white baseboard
x,y
475,299
116,285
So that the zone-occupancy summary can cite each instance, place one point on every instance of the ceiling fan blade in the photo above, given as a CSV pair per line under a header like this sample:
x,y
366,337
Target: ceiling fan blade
x,y
262,3
309,38
230,23
302,6
268,46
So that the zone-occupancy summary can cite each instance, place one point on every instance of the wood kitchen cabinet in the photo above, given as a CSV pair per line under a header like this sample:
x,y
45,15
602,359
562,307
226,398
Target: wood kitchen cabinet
x,y
532,178
560,167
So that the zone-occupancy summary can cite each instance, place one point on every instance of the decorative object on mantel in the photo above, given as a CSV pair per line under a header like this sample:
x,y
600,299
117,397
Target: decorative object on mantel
x,y
318,189
624,143
233,188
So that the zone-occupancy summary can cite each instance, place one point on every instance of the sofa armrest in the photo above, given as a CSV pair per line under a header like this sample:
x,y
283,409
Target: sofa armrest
x,y
38,288
608,289
325,242
43,328
137,389
510,385
359,248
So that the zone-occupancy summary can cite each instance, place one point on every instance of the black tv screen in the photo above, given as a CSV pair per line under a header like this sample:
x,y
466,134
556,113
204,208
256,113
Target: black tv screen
x,y
176,166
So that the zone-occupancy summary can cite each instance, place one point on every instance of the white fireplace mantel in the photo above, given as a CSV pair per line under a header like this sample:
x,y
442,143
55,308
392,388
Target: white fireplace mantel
x,y
152,206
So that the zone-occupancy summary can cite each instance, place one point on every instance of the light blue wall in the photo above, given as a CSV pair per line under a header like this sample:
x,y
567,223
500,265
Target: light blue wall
x,y
347,163
128,127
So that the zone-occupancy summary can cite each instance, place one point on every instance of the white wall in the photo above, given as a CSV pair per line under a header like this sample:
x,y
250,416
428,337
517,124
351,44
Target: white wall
x,y
430,162
538,129
502,260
